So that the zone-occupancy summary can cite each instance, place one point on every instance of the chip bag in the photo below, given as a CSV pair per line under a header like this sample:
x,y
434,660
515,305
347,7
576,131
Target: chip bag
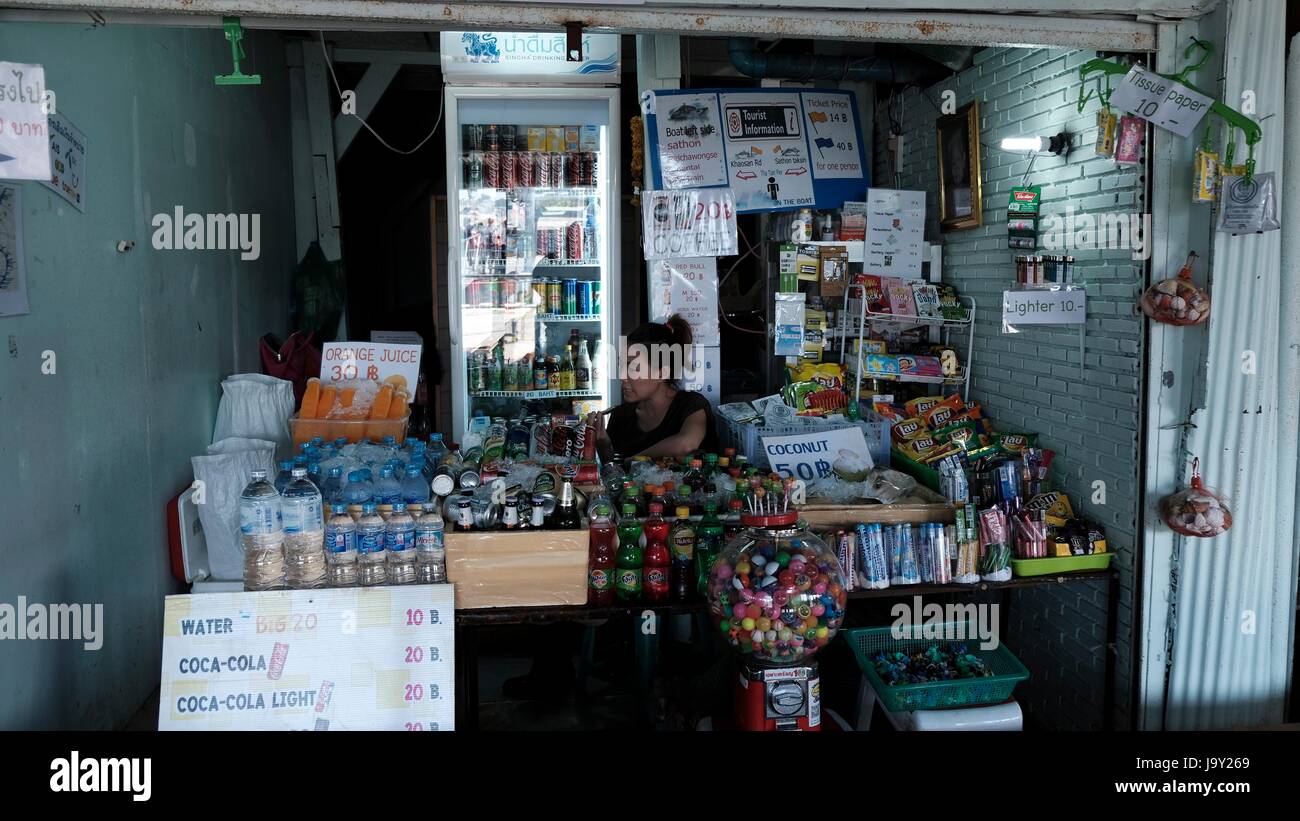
x,y
942,414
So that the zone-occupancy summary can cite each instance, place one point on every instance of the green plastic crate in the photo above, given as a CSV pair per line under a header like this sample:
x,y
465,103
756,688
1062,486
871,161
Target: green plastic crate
x,y
1060,564
967,692
924,474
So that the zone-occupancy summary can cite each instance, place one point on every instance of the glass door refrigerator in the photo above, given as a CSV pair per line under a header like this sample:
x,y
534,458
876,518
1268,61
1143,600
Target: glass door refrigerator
x,y
532,199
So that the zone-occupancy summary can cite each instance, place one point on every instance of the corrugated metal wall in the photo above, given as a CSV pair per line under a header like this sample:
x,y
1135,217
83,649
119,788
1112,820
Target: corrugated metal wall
x,y
1235,600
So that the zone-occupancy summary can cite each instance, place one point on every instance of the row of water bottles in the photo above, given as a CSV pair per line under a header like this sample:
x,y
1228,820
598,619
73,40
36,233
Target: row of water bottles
x,y
288,541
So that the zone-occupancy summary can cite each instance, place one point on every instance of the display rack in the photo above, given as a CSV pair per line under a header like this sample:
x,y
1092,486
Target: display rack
x,y
844,331
526,395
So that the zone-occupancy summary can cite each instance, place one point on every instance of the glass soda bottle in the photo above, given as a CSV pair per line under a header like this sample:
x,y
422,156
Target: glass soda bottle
x,y
601,551
681,543
628,562
656,562
708,544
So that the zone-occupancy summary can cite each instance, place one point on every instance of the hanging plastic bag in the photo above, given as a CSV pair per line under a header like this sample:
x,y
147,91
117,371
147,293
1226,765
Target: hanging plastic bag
x,y
224,471
255,406
1197,511
1247,204
1177,300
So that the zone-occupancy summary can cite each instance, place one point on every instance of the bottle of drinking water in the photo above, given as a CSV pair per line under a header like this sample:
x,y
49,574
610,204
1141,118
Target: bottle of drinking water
x,y
285,476
357,492
434,454
262,535
340,548
332,489
415,488
399,545
430,555
387,491
304,533
370,547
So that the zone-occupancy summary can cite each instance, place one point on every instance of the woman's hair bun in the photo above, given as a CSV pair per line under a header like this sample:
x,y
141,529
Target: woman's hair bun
x,y
681,329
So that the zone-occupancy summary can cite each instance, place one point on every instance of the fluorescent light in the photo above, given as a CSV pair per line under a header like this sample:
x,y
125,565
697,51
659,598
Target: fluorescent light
x,y
1022,144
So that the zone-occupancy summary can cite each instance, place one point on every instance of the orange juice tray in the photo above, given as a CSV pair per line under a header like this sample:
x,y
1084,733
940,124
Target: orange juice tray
x,y
354,411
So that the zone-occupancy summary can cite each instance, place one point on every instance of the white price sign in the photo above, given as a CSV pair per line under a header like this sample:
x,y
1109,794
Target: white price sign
x,y
24,124
1066,306
688,287
811,456
692,223
380,658
375,361
1161,101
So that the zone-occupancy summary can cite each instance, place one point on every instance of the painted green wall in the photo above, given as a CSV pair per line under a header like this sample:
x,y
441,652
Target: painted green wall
x,y
90,455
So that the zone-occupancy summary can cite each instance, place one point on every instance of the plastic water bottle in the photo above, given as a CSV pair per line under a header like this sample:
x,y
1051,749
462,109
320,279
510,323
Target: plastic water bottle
x,y
332,489
387,491
430,554
340,548
261,533
370,547
435,453
389,444
285,476
399,545
357,492
304,533
415,488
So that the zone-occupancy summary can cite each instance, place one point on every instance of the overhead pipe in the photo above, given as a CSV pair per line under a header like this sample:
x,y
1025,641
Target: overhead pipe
x,y
749,60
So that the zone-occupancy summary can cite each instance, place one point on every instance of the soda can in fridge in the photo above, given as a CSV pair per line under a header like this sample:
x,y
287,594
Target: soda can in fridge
x,y
587,168
491,138
570,305
559,166
555,296
524,169
573,241
542,169
474,170
508,166
506,136
491,169
539,296
573,170
584,297
595,297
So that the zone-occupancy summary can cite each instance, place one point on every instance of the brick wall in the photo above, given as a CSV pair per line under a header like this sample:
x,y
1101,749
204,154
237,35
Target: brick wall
x,y
1033,381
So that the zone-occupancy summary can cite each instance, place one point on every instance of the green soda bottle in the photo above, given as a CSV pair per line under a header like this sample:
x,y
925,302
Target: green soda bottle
x,y
627,564
708,544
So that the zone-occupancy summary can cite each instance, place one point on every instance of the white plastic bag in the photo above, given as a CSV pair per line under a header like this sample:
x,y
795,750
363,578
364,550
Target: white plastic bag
x,y
255,406
224,472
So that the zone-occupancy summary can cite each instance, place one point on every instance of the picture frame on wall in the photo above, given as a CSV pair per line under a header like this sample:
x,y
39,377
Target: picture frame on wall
x,y
958,139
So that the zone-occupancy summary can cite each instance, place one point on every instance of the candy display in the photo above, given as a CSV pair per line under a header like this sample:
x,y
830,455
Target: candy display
x,y
1197,511
777,591
935,663
1177,300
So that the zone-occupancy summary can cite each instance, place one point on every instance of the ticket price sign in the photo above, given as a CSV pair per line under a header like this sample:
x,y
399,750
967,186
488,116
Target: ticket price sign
x,y
380,658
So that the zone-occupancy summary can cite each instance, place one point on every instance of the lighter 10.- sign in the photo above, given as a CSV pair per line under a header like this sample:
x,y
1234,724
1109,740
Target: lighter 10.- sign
x,y
380,658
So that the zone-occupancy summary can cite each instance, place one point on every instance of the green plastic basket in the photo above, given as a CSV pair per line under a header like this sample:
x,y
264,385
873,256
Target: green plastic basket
x,y
966,692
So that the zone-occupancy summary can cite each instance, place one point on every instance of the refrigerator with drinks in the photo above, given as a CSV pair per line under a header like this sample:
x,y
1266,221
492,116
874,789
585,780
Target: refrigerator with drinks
x,y
533,252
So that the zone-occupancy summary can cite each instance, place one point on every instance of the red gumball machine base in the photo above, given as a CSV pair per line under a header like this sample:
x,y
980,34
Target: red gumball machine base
x,y
772,697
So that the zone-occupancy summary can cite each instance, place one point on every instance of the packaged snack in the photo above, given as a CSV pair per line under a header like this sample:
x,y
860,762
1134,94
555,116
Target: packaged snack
x,y
796,396
1177,300
962,434
942,413
882,363
1205,184
874,292
889,411
869,346
906,429
920,365
918,449
926,298
827,374
950,306
898,295
995,561
1198,510
918,406
1015,442
940,453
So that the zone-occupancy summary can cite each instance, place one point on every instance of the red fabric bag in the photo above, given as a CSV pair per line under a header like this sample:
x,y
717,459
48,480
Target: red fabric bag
x,y
296,360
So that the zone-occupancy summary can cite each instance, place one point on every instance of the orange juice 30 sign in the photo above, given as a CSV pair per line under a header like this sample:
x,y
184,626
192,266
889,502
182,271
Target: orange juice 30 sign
x,y
349,361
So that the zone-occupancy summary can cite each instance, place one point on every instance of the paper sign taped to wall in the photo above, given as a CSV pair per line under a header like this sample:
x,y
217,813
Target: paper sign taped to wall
x,y
1161,101
24,126
67,162
349,361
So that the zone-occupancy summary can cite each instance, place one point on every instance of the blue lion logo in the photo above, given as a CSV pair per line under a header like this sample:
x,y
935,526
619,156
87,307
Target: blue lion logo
x,y
481,48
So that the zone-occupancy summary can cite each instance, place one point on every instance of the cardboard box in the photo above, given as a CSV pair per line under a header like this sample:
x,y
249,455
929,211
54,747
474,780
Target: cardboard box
x,y
518,568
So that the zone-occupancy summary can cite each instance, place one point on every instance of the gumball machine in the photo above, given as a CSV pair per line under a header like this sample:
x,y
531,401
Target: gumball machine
x,y
777,593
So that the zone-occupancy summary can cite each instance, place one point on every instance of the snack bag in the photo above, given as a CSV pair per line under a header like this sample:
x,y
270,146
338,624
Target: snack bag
x,y
827,374
918,365
1015,442
961,434
907,429
1177,300
942,413
918,406
1197,511
919,449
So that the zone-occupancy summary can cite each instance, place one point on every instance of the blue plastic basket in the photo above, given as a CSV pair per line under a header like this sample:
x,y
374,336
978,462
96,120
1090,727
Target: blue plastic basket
x,y
746,437
965,692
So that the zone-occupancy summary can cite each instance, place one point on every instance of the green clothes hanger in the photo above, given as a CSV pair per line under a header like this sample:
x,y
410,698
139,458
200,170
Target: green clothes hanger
x,y
235,34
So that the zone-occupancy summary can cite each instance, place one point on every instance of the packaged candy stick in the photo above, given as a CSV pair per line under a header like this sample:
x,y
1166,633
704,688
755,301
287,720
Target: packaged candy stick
x,y
995,562
942,561
925,554
1107,124
907,569
873,571
968,546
